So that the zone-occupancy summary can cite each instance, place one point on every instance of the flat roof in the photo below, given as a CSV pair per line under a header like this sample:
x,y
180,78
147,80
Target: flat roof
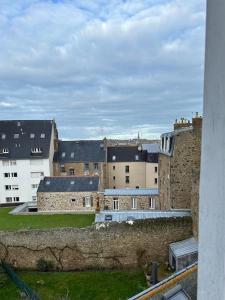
x,y
184,247
131,192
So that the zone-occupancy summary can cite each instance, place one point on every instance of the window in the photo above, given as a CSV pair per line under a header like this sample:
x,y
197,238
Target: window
x,y
62,169
73,200
72,154
5,163
136,157
87,202
71,172
63,154
8,199
12,162
114,167
127,169
134,203
156,180
5,150
114,177
15,187
16,199
16,135
156,169
114,157
115,204
32,135
34,198
14,174
6,175
36,150
114,187
8,187
42,135
127,179
137,187
3,136
34,186
18,124
151,203
86,168
96,167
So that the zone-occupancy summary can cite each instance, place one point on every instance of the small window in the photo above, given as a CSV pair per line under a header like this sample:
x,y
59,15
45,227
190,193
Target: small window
x,y
5,150
136,157
48,182
6,175
72,154
71,172
156,169
114,167
96,167
114,157
8,199
114,187
115,204
151,203
34,198
72,182
14,174
15,187
127,169
18,124
34,186
62,169
137,187
5,163
12,162
16,135
3,136
73,200
32,135
127,179
114,177
8,187
63,154
156,180
86,167
36,150
134,203
16,199
42,135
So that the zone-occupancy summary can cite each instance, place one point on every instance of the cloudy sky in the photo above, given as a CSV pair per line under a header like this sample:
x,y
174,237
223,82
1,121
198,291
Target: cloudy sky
x,y
102,67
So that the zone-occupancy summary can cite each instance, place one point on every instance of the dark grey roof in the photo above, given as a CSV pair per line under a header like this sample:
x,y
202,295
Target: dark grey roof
x,y
153,157
81,151
69,184
20,137
126,154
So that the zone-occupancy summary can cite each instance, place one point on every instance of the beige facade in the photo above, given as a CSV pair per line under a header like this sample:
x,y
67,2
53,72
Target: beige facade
x,y
120,203
132,175
64,201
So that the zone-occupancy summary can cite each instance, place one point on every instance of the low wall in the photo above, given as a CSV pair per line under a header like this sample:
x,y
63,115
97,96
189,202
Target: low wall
x,y
104,245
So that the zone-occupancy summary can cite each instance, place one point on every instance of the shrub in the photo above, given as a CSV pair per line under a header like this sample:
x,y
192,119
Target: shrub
x,y
45,265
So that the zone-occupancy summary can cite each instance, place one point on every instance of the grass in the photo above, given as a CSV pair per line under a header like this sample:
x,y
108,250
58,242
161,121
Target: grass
x,y
10,222
112,285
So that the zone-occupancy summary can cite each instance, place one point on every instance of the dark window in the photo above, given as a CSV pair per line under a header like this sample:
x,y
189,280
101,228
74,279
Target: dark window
x,y
156,169
73,200
6,174
71,172
96,168
62,169
156,180
127,169
127,179
86,167
92,201
137,187
8,187
83,201
114,187
114,177
114,167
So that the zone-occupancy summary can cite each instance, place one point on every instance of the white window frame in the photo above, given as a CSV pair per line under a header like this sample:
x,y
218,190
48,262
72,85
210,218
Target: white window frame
x,y
115,204
134,203
88,202
151,203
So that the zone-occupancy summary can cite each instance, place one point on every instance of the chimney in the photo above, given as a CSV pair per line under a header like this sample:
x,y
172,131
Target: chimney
x,y
197,121
182,123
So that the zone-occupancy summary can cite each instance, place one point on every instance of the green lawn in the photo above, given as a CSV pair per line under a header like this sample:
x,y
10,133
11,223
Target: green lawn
x,y
10,222
79,285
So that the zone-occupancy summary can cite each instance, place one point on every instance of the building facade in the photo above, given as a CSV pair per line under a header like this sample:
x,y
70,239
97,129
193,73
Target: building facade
x,y
26,156
81,158
132,167
56,194
179,163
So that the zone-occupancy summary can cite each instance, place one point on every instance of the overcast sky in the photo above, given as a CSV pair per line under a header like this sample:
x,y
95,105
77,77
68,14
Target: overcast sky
x,y
102,67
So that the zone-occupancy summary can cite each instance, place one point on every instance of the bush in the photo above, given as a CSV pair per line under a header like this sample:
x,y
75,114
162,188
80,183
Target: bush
x,y
45,265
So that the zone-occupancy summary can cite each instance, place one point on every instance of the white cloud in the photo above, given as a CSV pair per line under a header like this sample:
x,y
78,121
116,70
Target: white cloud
x,y
117,65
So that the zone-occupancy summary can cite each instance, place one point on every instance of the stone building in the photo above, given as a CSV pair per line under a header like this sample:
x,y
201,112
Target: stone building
x,y
132,166
179,167
130,199
81,158
68,194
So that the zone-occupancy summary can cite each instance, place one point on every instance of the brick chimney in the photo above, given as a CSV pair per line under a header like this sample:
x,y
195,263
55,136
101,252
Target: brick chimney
x,y
197,121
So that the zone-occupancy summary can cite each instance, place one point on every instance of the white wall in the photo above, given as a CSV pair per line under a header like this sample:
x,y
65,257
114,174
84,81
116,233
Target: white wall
x,y
23,168
211,275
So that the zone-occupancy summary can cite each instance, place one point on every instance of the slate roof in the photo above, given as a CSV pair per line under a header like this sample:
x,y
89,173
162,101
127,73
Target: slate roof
x,y
131,192
184,247
69,184
19,147
126,154
80,151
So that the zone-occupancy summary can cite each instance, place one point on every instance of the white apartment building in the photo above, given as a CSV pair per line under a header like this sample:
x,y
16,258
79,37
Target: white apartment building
x,y
26,156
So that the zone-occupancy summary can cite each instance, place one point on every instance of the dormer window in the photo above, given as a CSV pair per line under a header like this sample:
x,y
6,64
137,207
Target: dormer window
x,y
42,135
36,150
72,155
5,150
32,135
114,157
63,154
3,136
18,124
136,157
16,135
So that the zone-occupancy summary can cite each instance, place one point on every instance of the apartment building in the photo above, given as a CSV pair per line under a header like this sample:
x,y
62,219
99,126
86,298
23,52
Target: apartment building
x,y
81,158
179,167
132,167
26,156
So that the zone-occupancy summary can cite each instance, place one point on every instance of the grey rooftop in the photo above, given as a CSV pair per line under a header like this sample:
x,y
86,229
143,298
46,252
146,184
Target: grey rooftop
x,y
131,192
184,247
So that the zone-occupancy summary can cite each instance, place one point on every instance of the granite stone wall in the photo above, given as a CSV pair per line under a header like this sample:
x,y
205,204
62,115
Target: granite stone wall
x,y
101,246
